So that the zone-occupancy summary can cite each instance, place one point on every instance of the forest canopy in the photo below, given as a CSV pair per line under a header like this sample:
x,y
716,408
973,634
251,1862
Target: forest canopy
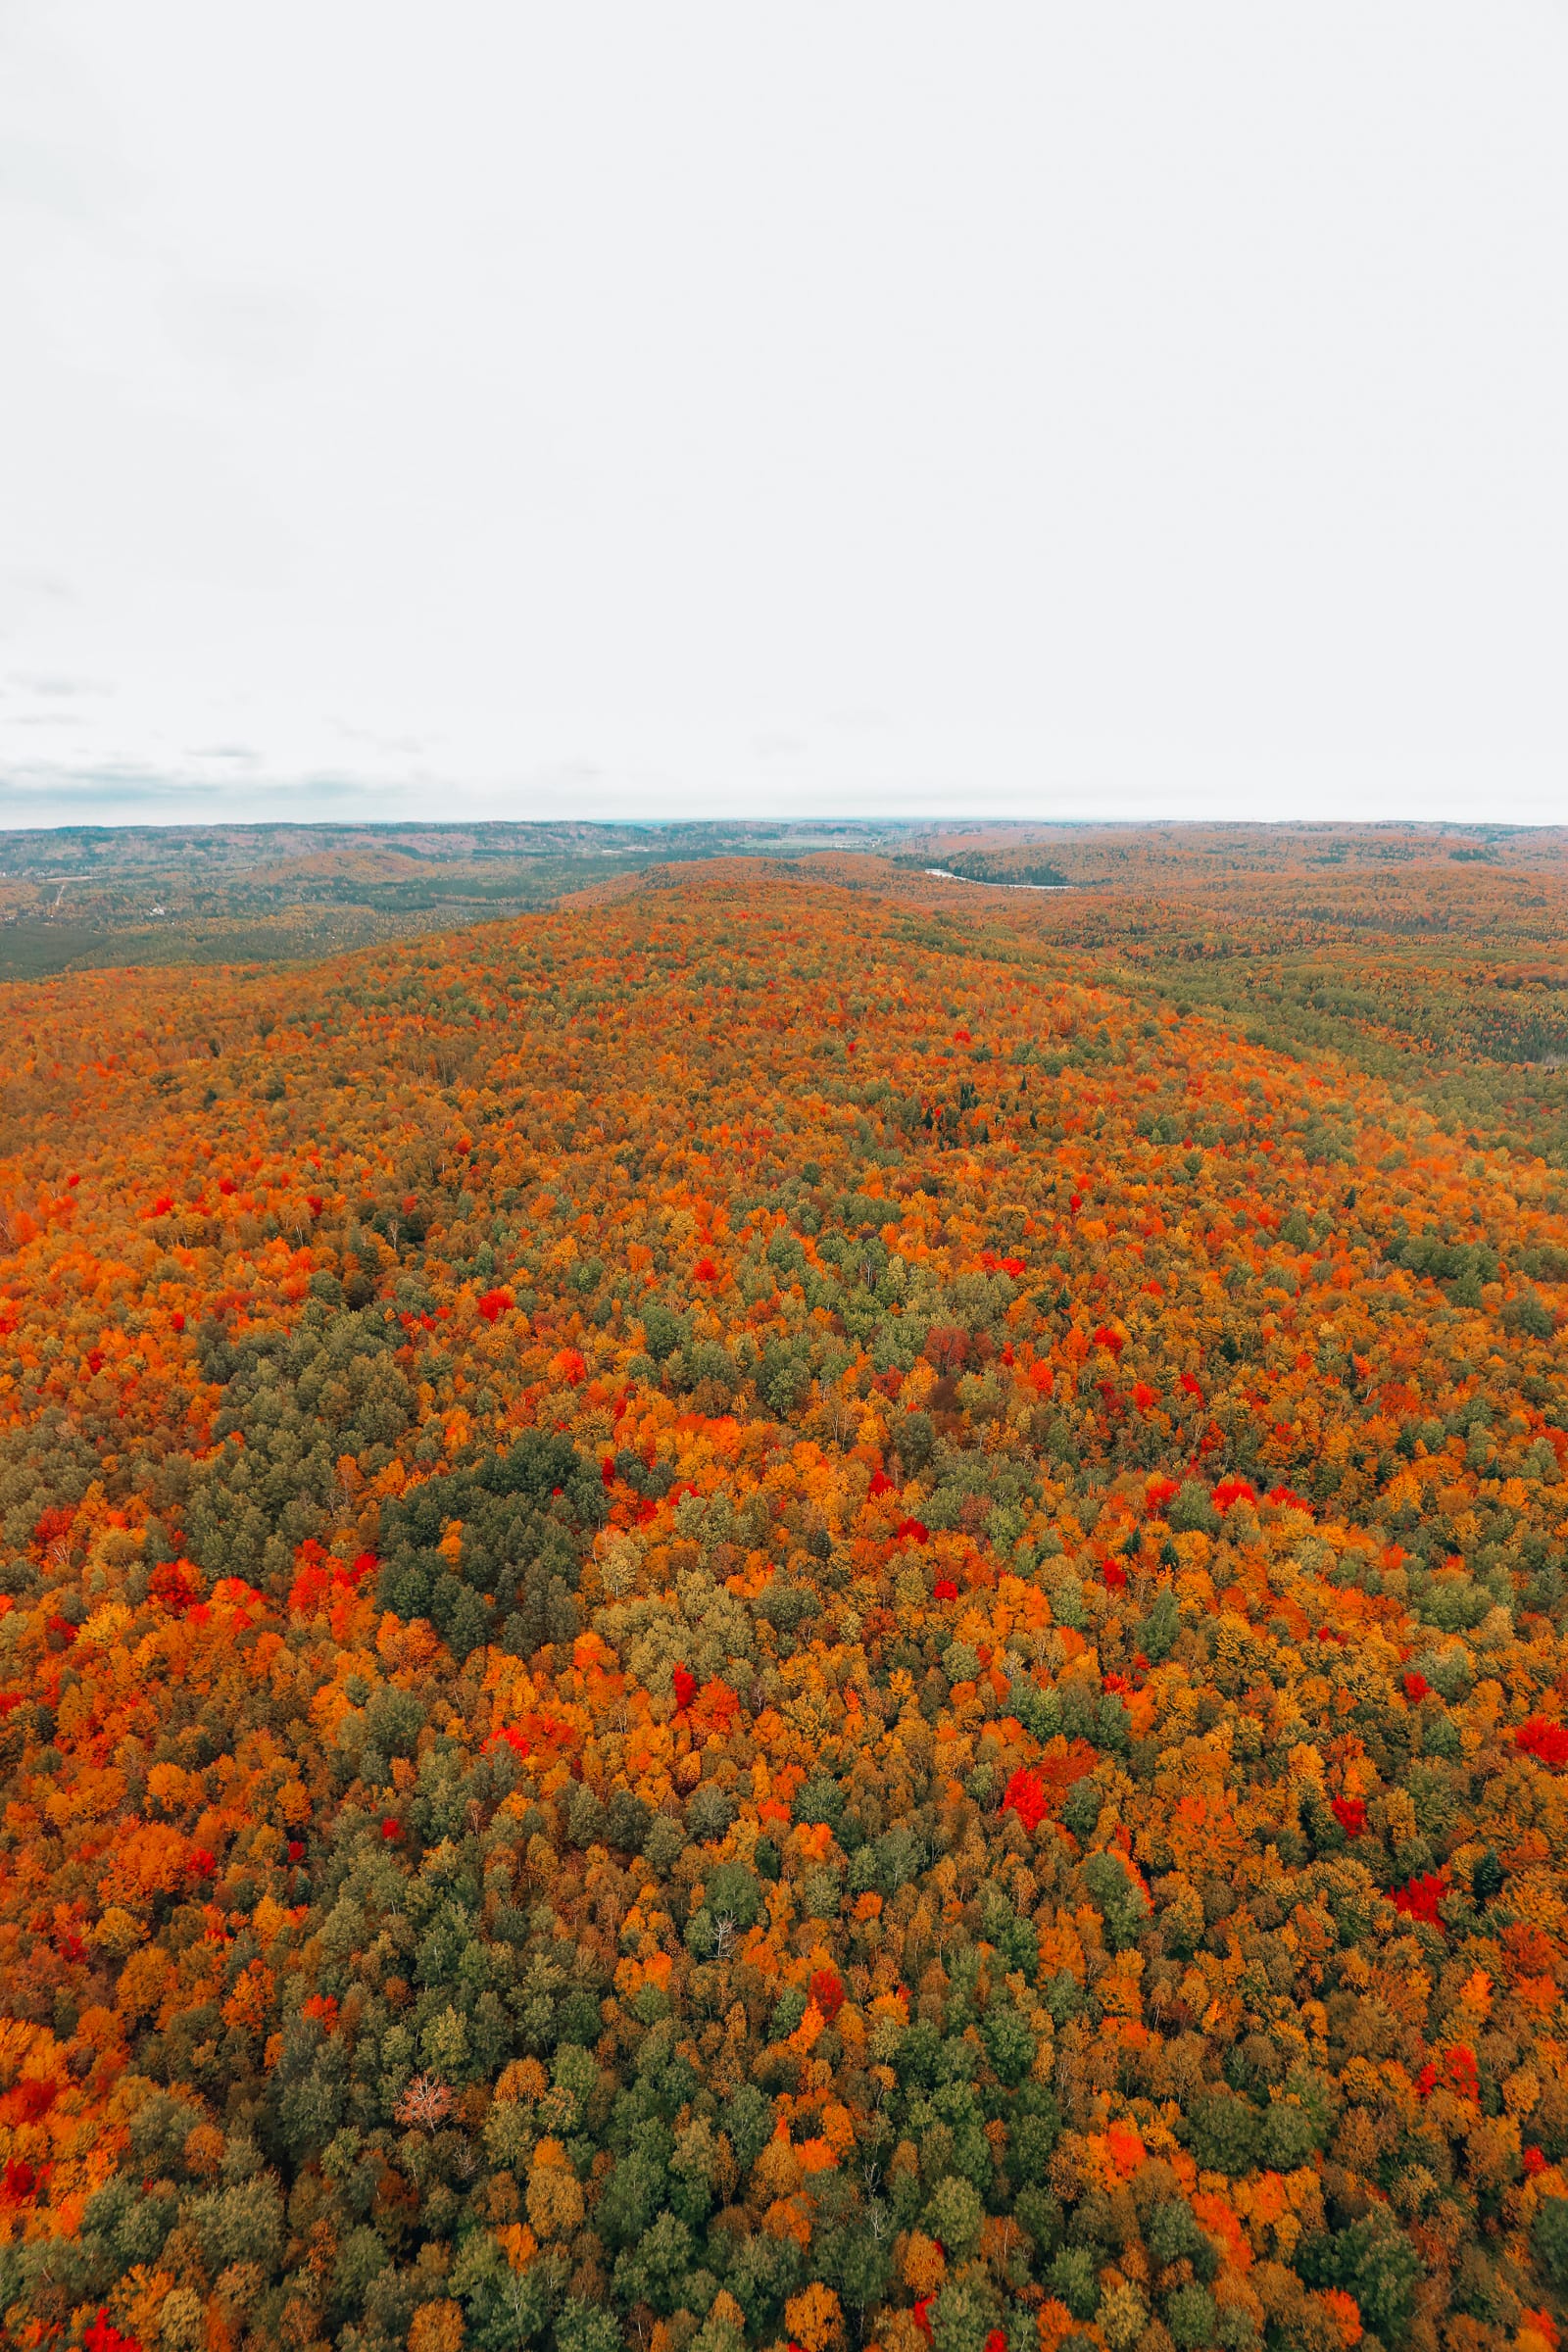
x,y
802,1609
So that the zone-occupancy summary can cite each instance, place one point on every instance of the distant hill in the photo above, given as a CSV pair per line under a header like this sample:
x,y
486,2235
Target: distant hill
x,y
82,896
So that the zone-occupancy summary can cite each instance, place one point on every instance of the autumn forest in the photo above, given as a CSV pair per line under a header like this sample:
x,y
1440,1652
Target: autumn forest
x,y
795,1606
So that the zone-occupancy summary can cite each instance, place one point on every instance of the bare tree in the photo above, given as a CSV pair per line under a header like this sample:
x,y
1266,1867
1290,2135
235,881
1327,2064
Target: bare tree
x,y
425,2104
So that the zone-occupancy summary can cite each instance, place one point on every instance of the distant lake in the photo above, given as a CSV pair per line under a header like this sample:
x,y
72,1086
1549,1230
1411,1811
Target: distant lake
x,y
944,873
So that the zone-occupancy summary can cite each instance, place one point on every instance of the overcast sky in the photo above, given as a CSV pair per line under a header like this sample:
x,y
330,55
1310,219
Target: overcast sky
x,y
860,405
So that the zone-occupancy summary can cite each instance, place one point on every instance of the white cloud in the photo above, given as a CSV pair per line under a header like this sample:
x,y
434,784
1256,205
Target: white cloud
x,y
1021,410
